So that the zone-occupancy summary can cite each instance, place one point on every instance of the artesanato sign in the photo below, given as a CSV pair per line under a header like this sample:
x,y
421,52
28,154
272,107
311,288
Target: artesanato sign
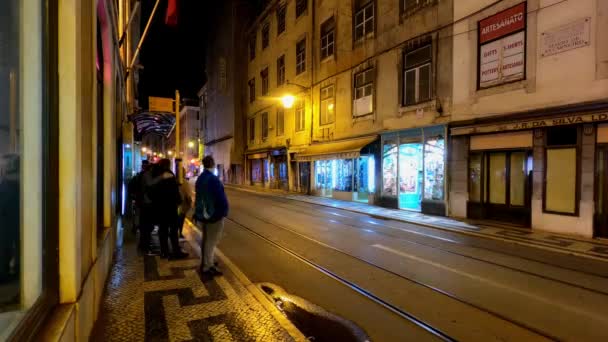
x,y
502,39
529,124
567,37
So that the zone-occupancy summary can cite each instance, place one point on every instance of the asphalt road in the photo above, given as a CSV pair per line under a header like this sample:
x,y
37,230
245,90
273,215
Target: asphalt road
x,y
400,281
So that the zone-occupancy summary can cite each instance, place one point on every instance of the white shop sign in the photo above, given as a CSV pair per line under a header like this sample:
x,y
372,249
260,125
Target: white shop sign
x,y
567,37
502,60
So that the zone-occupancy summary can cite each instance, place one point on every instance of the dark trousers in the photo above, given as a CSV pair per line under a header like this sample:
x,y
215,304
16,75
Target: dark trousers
x,y
146,226
168,232
181,219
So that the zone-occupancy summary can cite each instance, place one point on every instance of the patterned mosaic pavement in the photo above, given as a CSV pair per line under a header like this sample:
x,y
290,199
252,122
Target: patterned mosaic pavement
x,y
592,248
152,299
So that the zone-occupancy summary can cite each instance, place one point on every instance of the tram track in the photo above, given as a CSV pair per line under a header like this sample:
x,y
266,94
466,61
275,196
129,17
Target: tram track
x,y
468,256
371,295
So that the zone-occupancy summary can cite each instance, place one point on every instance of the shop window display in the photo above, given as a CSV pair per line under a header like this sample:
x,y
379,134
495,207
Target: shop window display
x,y
344,175
389,168
434,163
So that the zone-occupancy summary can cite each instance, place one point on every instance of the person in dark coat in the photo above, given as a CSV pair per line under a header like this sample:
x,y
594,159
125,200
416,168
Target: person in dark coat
x,y
165,201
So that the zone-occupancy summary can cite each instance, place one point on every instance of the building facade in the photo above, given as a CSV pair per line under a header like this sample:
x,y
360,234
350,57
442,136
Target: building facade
x,y
529,114
221,99
62,74
372,87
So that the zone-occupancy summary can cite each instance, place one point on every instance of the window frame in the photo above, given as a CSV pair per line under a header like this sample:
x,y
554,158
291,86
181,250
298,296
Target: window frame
x,y
252,94
280,122
322,101
264,75
252,130
578,150
328,28
416,68
265,125
281,70
301,56
252,47
281,14
362,9
265,35
300,116
301,7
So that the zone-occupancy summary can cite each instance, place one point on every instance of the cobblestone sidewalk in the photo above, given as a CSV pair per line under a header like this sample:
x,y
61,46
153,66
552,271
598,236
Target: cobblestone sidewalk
x,y
152,299
591,248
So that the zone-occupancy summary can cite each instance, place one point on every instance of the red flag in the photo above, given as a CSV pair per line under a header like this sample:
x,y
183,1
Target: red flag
x,y
171,17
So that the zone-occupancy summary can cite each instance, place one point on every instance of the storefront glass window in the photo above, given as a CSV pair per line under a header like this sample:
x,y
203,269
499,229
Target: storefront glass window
x,y
344,175
389,168
434,163
561,180
517,187
22,230
497,178
256,171
475,177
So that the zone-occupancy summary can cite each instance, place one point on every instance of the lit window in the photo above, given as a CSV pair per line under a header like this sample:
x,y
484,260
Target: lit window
x,y
417,75
327,105
364,19
328,38
561,170
301,56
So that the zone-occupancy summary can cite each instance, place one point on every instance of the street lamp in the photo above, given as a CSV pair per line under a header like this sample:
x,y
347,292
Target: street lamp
x,y
288,101
144,149
191,144
170,153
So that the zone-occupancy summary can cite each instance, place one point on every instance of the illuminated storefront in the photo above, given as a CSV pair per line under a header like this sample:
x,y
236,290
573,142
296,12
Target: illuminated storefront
x,y
343,170
413,169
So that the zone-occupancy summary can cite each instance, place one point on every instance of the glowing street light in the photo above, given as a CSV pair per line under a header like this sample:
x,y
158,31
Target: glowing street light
x,y
288,101
191,144
144,149
170,153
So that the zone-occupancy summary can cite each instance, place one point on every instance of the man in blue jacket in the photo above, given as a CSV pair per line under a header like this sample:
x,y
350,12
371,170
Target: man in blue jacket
x,y
211,207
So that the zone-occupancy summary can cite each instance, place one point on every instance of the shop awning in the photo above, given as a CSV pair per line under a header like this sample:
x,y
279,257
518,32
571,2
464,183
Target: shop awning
x,y
345,149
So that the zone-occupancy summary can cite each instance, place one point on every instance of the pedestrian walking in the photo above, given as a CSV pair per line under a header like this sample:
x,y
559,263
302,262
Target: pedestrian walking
x,y
185,192
147,217
211,206
165,201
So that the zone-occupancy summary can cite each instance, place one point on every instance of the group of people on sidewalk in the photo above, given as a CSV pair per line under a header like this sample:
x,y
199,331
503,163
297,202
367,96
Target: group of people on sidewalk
x,y
162,200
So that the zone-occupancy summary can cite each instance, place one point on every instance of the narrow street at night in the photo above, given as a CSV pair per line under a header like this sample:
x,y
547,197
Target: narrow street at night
x,y
401,281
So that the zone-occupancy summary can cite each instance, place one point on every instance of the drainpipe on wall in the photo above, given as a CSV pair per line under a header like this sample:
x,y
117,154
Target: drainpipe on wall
x,y
312,69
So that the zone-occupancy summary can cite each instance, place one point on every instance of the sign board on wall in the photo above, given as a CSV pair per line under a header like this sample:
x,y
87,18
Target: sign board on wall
x,y
502,50
567,37
160,104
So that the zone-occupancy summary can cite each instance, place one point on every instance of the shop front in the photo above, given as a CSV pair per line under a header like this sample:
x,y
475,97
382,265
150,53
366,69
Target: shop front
x,y
278,173
258,168
413,170
543,172
343,170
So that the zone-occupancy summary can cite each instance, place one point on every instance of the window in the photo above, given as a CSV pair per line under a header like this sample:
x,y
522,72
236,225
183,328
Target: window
x,y
344,174
434,164
300,118
561,179
389,166
252,90
28,266
281,11
364,18
264,76
281,71
252,48
301,56
417,75
327,105
301,6
264,126
280,122
252,129
410,6
265,35
328,38
364,85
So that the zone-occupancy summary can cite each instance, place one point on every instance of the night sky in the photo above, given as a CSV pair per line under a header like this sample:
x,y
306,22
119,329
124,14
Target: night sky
x,y
173,57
